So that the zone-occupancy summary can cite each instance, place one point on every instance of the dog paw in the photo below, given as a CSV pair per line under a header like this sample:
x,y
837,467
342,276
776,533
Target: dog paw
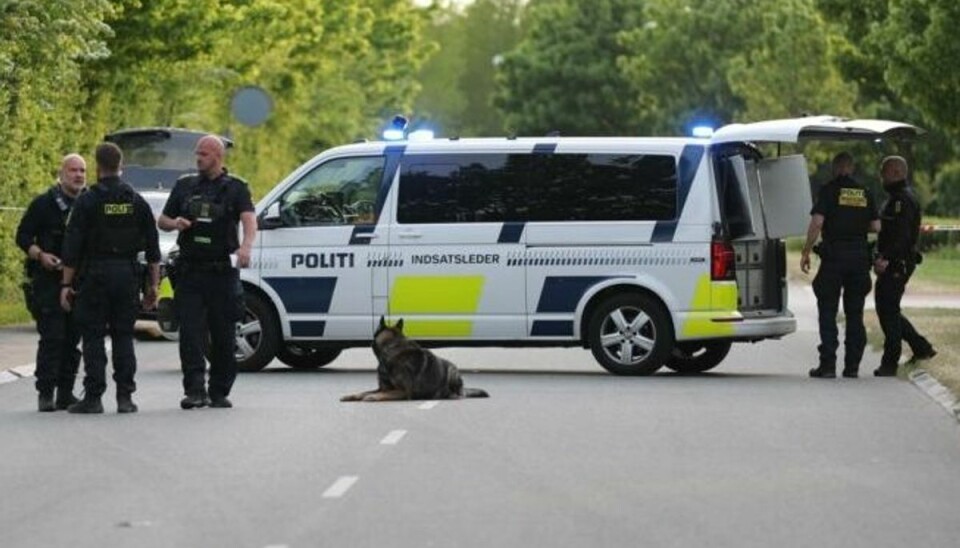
x,y
350,397
371,397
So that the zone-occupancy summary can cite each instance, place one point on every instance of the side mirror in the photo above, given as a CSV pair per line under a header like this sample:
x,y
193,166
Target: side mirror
x,y
271,217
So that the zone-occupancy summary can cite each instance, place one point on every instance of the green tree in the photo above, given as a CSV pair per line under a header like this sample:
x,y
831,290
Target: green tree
x,y
563,74
923,50
42,46
808,82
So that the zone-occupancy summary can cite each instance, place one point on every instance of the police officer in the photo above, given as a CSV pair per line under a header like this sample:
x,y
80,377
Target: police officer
x,y
897,257
205,208
844,212
108,226
40,236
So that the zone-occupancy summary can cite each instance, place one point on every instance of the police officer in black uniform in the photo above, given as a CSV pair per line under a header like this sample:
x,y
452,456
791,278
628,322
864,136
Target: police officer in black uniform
x,y
897,258
205,208
845,212
40,236
108,226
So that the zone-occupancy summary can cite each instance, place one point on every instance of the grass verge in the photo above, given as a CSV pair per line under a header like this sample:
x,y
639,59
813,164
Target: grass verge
x,y
940,326
13,311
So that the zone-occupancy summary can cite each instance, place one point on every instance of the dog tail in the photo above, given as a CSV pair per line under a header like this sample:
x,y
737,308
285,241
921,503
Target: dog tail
x,y
475,393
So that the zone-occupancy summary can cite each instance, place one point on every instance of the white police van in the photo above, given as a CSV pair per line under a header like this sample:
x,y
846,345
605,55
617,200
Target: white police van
x,y
648,251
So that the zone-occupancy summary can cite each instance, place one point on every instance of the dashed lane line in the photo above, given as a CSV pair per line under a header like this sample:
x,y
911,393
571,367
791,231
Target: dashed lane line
x,y
393,437
339,487
428,404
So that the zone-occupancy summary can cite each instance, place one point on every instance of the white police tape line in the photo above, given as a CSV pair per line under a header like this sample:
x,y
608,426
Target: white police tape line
x,y
939,228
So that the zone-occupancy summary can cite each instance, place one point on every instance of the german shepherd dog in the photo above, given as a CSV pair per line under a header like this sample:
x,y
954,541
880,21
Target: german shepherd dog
x,y
407,371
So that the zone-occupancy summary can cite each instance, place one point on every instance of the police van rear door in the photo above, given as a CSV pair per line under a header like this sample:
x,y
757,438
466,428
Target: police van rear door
x,y
774,193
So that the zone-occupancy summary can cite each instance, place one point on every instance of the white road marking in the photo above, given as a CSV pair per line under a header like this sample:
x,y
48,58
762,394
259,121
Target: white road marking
x,y
25,370
340,487
6,376
393,437
429,404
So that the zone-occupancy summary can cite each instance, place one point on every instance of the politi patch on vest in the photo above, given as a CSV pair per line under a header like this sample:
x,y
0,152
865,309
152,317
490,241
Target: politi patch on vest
x,y
118,209
852,197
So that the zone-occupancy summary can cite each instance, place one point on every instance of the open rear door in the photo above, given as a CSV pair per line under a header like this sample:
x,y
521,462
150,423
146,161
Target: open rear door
x,y
792,130
765,200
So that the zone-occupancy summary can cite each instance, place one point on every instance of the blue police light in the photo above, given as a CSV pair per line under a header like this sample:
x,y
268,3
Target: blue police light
x,y
421,135
702,132
395,131
393,134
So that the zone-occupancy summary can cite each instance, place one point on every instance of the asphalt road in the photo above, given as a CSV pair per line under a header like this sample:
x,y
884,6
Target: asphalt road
x,y
562,454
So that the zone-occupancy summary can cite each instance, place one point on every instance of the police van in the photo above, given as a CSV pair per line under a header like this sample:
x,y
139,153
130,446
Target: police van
x,y
650,252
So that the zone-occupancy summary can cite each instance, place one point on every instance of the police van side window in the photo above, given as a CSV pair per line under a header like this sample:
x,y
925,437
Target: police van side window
x,y
533,187
339,192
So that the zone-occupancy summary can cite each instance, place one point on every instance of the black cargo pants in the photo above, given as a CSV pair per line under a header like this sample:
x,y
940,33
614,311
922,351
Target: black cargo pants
x,y
107,303
208,298
896,327
844,271
58,355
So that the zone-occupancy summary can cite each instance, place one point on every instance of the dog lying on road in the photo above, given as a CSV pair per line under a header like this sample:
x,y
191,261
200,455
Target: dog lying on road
x,y
407,371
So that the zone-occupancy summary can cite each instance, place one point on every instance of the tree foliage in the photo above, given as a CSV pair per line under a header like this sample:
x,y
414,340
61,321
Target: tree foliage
x,y
563,75
72,71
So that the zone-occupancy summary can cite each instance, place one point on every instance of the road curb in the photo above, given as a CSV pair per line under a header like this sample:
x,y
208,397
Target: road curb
x,y
936,391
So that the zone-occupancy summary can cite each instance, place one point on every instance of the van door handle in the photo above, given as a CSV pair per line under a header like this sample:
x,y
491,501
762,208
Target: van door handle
x,y
410,234
365,236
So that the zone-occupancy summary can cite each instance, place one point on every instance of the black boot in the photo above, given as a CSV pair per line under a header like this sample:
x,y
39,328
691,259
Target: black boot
x,y
824,372
194,400
88,405
45,402
125,403
65,398
884,371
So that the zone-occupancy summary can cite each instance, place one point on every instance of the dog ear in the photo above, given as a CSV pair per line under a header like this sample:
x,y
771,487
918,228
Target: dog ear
x,y
399,326
383,323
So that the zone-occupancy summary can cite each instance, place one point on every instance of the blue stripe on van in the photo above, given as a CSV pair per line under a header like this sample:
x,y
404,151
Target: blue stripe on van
x,y
307,328
393,154
686,171
562,293
544,148
510,233
552,328
304,295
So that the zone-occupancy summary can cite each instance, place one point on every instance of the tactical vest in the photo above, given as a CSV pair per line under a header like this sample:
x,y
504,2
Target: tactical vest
x,y
115,233
207,208
52,240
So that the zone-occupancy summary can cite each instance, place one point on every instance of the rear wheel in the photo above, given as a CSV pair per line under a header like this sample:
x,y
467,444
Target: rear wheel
x,y
299,356
691,358
630,334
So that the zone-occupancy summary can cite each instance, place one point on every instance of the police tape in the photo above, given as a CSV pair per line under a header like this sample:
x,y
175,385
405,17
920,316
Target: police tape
x,y
11,208
939,228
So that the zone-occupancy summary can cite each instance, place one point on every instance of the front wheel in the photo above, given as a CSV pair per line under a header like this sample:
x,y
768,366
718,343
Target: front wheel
x,y
257,335
304,357
630,334
690,358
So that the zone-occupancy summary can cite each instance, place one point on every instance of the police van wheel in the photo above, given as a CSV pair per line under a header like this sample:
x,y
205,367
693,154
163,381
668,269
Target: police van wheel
x,y
630,335
690,358
304,357
258,334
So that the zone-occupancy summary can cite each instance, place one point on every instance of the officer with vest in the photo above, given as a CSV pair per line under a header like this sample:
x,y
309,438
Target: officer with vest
x,y
897,258
108,226
205,208
844,213
40,236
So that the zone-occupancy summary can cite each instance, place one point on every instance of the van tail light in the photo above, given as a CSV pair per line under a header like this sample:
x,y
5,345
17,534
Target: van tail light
x,y
721,261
